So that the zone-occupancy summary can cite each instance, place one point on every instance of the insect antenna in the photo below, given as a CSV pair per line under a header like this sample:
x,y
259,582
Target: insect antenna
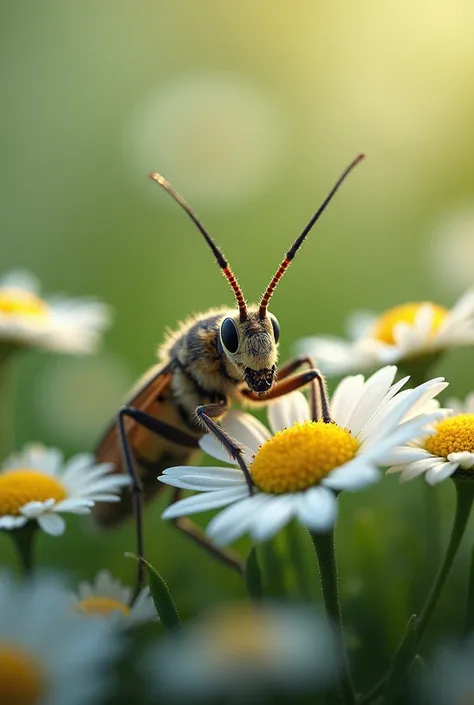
x,y
299,240
221,260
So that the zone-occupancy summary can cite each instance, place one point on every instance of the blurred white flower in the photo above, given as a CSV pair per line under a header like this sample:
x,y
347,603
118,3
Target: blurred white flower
x,y
54,323
461,407
298,471
451,250
215,136
449,679
108,597
48,654
402,333
246,650
37,485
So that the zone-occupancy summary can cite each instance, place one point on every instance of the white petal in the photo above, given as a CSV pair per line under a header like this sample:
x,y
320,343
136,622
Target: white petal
x,y
75,506
271,518
79,464
417,468
212,447
459,407
52,524
235,521
404,454
407,432
359,323
204,482
205,501
345,397
286,411
12,522
354,475
396,410
34,509
179,471
440,471
374,391
245,429
333,355
317,508
463,459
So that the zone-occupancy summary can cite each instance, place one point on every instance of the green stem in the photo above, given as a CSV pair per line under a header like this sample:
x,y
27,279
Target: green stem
x,y
324,546
7,406
433,527
24,540
464,500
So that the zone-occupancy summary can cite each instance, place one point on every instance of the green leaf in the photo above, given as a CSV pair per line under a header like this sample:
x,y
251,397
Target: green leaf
x,y
162,598
253,575
402,661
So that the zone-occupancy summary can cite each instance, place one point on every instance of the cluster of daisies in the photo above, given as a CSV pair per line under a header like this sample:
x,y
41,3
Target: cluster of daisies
x,y
59,645
299,464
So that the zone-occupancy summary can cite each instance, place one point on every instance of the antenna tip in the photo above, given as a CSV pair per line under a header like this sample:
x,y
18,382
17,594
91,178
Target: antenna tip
x,y
359,158
154,176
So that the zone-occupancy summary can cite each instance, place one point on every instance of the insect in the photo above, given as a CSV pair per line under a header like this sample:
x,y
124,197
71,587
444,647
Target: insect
x,y
213,359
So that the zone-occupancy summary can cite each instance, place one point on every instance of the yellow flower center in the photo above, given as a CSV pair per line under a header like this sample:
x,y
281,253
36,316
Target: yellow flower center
x,y
453,435
18,302
301,456
101,606
21,680
385,324
18,487
238,634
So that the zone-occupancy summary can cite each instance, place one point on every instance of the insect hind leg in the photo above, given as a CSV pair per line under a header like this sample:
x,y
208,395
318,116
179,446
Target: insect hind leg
x,y
196,534
163,430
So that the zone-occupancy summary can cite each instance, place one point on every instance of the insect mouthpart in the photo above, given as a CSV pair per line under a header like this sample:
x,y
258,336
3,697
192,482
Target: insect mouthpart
x,y
260,380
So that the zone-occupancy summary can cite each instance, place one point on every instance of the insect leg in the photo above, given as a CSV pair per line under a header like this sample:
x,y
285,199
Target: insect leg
x,y
289,367
205,413
290,384
194,531
165,431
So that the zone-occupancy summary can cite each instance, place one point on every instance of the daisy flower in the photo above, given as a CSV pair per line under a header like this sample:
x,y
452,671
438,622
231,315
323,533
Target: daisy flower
x,y
49,655
401,333
246,650
298,471
107,596
37,485
57,323
447,451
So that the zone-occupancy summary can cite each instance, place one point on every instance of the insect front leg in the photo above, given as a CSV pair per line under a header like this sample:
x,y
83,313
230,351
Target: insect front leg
x,y
287,383
206,413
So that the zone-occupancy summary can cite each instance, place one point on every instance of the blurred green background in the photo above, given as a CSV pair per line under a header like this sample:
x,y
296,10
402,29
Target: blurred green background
x,y
251,110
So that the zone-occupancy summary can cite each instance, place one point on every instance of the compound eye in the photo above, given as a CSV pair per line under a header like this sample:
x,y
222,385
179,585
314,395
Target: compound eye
x,y
276,327
229,335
